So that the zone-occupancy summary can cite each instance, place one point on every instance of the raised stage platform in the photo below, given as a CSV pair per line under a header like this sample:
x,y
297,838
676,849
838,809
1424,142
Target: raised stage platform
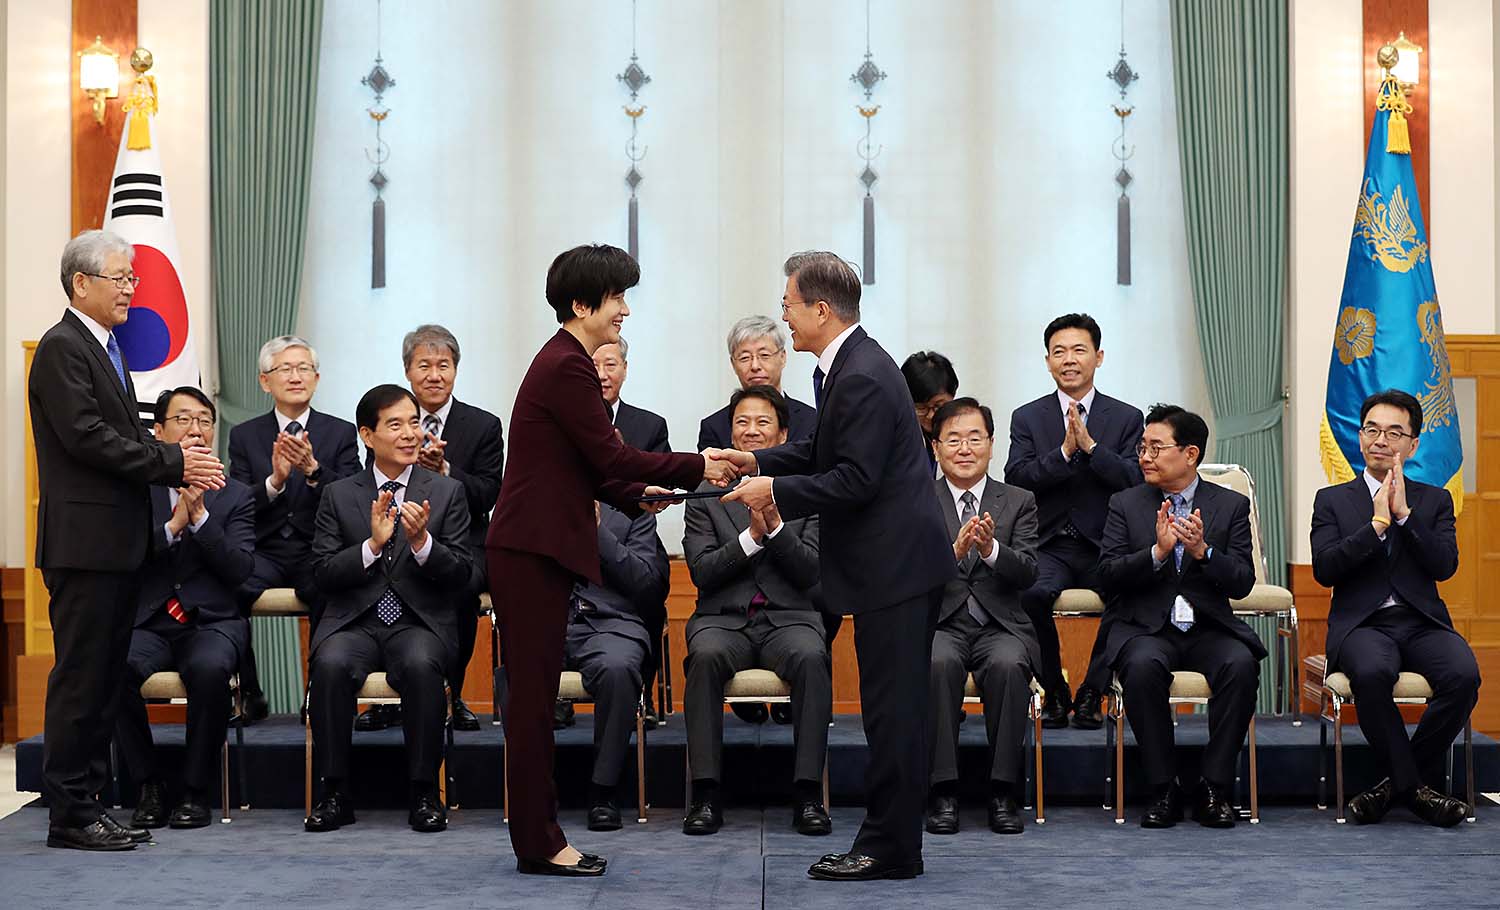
x,y
758,761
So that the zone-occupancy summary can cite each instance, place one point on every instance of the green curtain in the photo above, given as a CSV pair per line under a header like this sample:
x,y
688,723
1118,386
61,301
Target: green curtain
x,y
1230,68
263,87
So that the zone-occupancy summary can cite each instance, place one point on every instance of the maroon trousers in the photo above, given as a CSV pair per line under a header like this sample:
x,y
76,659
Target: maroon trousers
x,y
530,594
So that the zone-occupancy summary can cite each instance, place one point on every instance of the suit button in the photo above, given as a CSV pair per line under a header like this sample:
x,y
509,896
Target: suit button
x,y
178,586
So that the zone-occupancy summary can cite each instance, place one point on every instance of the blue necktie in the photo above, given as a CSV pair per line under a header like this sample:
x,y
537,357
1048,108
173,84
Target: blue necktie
x,y
818,387
388,607
1179,510
293,428
112,348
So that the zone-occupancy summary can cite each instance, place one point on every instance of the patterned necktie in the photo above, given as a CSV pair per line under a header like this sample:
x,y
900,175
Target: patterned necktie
x,y
818,375
1179,510
388,607
112,348
1083,414
970,558
293,428
431,424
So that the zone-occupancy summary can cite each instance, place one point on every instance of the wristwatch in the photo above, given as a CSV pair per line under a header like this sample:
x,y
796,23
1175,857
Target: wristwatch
x,y
316,475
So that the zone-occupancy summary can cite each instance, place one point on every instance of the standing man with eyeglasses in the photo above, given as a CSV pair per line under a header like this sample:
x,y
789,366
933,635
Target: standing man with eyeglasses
x,y
95,465
1383,541
287,457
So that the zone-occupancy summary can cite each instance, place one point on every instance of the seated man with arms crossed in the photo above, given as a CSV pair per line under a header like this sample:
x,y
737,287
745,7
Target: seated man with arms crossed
x,y
391,553
1176,549
607,642
756,577
982,628
1383,541
187,620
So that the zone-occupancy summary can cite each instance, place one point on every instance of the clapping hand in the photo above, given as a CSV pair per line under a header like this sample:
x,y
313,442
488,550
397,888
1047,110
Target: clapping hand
x,y
964,541
298,450
189,500
431,455
382,521
1166,534
1382,517
758,529
1397,480
414,520
1189,531
984,534
1081,437
1070,435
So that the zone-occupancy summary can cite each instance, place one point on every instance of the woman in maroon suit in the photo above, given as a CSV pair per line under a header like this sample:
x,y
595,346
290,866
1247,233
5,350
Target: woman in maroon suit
x,y
564,454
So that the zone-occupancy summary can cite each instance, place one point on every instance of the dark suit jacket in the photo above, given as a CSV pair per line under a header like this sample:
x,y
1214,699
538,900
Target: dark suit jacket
x,y
563,456
203,569
642,429
335,448
1139,598
94,459
1349,558
786,571
864,474
634,567
715,431
998,590
427,590
1077,489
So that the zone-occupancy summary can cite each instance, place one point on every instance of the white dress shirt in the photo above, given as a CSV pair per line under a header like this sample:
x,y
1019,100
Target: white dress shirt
x,y
282,422
101,333
1374,486
1066,403
748,543
958,506
404,478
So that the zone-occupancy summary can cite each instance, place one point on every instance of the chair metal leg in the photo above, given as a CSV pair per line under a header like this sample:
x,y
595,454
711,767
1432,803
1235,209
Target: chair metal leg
x,y
1254,778
239,748
664,678
505,785
687,779
114,774
1109,748
307,769
1338,759
224,815
1323,753
1030,770
494,671
1448,769
1036,723
1120,765
1469,765
640,766
1296,668
445,779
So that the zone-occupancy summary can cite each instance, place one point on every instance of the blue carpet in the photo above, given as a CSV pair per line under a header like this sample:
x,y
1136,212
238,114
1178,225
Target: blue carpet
x,y
1294,857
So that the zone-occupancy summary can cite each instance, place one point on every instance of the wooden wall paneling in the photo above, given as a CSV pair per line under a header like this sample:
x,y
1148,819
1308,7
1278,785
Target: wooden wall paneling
x,y
1383,21
12,645
95,145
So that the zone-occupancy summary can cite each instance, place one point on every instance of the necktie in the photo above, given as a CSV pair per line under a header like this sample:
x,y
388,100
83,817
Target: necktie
x,y
293,428
966,514
1083,414
112,348
174,610
1179,510
388,607
756,603
818,387
431,424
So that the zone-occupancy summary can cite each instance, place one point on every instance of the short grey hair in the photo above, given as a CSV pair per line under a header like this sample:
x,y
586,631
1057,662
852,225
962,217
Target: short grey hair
x,y
826,276
430,335
753,327
86,253
624,350
270,349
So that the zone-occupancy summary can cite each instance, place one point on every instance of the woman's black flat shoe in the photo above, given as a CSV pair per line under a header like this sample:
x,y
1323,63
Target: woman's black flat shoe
x,y
588,865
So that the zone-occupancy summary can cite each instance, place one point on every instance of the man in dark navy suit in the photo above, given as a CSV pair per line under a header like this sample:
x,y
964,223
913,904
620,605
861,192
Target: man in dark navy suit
x,y
1073,448
1383,541
187,619
757,351
1176,550
884,551
287,457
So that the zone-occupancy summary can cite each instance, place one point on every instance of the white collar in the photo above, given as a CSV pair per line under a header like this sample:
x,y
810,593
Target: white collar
x,y
1188,493
1371,482
100,332
404,478
977,489
441,414
825,359
1065,401
282,420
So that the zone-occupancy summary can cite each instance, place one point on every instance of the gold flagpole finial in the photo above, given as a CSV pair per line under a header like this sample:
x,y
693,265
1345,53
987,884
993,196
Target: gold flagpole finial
x,y
141,105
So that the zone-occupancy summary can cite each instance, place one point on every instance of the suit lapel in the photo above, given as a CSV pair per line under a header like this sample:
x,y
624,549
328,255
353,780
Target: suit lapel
x,y
1053,430
854,340
161,506
126,393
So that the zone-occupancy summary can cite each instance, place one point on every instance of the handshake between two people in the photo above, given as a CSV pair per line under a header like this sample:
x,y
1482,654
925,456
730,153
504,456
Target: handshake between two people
x,y
201,469
722,468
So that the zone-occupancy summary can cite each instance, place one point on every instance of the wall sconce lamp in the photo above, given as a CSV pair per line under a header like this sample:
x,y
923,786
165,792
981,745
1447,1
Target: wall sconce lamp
x,y
1403,59
99,75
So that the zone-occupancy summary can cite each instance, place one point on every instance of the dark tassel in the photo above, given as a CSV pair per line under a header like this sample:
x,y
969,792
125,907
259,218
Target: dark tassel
x,y
869,239
377,244
1122,251
633,242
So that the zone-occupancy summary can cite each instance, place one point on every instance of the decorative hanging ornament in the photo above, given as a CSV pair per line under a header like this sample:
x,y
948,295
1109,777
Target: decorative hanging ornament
x,y
867,77
378,80
634,78
1122,76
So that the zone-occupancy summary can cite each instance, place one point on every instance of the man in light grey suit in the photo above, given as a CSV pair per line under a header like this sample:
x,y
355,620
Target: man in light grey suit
x,y
756,577
982,627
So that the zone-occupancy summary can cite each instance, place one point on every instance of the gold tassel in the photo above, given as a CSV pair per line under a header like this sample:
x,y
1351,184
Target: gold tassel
x,y
1397,133
141,105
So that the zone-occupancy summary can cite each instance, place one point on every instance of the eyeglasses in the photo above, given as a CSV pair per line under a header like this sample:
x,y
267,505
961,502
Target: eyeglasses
x,y
954,443
121,281
287,369
787,304
1154,449
1372,433
187,420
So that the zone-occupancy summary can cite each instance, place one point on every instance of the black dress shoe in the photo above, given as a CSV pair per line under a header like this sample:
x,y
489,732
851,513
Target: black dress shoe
x,y
781,714
1211,809
1005,815
750,712
373,718
942,815
428,814
588,864
809,817
190,813
463,718
1088,710
604,817
137,834
562,714
150,807
1436,809
332,813
1369,807
95,836
650,720
1055,709
703,817
1166,811
256,708
854,867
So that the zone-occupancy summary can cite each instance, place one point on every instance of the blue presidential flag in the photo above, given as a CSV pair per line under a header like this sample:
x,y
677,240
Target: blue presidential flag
x,y
1390,330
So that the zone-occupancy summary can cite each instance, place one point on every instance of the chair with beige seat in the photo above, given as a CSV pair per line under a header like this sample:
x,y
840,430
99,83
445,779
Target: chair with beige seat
x,y
972,696
751,687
